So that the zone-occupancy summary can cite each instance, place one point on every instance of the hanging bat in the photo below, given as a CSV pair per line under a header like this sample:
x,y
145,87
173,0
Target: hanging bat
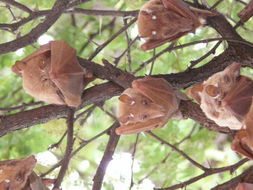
x,y
53,74
247,12
213,91
148,105
14,173
243,141
161,21
244,186
239,98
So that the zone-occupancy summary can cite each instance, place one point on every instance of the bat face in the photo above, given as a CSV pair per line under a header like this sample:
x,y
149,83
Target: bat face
x,y
213,91
14,173
53,74
160,21
147,105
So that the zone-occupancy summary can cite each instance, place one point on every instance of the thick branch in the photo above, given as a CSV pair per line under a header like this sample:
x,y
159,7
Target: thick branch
x,y
44,114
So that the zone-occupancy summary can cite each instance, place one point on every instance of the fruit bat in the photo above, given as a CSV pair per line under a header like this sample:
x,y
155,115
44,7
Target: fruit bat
x,y
14,173
212,92
161,21
148,105
243,141
247,12
53,74
244,186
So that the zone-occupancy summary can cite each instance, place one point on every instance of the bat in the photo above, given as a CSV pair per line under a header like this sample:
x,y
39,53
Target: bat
x,y
239,98
212,93
148,105
244,186
53,74
161,21
243,141
14,173
247,12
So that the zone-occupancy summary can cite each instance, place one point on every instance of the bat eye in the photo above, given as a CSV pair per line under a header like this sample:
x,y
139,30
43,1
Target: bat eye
x,y
154,32
144,102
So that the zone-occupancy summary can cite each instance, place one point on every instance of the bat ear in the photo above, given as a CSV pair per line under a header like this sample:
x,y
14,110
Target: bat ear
x,y
240,144
203,13
18,67
212,90
195,90
126,99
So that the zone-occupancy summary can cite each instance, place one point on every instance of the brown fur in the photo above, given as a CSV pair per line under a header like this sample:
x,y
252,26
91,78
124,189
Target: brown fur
x,y
149,104
53,74
167,20
14,173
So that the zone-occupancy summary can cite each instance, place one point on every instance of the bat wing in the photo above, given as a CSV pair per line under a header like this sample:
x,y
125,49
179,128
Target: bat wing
x,y
43,49
141,126
153,43
179,7
66,73
240,144
159,91
239,99
194,92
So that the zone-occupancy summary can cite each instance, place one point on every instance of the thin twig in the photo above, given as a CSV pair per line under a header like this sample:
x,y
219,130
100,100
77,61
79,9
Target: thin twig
x,y
102,46
193,162
132,165
18,5
68,150
209,172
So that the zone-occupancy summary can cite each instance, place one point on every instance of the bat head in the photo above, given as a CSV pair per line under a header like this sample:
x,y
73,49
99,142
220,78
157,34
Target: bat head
x,y
158,25
14,173
162,21
219,84
36,80
212,92
147,105
135,107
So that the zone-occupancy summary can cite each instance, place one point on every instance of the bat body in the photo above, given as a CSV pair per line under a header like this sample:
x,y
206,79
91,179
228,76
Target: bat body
x,y
148,105
14,173
211,93
160,21
53,74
